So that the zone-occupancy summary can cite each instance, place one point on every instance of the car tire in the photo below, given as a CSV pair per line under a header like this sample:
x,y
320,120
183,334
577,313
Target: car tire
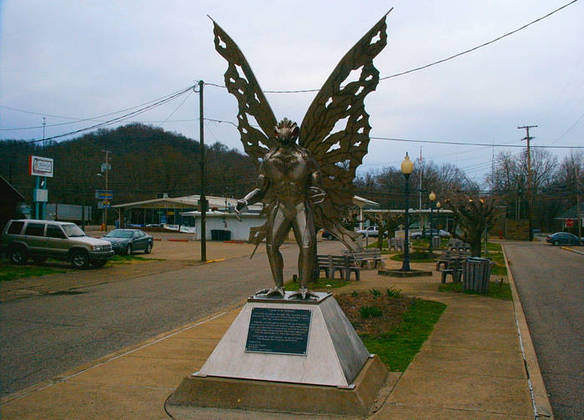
x,y
148,249
129,249
39,260
79,259
17,255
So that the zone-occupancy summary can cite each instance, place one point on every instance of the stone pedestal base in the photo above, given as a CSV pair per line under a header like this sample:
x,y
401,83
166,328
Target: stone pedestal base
x,y
245,394
287,355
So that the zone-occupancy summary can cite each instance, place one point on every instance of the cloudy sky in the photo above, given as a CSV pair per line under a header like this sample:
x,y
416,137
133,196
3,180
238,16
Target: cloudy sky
x,y
68,60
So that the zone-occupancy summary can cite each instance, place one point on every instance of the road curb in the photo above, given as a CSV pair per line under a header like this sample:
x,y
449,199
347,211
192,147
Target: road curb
x,y
541,403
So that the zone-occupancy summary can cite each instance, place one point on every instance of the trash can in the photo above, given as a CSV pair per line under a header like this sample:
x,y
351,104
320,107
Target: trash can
x,y
215,233
476,273
226,235
436,242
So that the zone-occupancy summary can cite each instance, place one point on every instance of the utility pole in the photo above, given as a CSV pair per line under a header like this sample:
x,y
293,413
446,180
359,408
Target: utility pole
x,y
44,125
107,153
578,214
529,179
202,198
420,163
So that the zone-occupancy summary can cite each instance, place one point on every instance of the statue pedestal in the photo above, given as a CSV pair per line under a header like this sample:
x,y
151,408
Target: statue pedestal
x,y
287,355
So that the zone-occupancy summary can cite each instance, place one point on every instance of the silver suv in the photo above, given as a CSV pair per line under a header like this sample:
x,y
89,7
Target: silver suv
x,y
41,239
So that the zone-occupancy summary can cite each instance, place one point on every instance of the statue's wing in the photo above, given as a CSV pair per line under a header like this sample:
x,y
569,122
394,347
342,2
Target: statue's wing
x,y
254,109
340,102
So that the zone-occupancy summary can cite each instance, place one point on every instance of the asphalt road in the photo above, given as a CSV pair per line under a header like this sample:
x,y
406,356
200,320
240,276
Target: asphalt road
x,y
550,282
43,336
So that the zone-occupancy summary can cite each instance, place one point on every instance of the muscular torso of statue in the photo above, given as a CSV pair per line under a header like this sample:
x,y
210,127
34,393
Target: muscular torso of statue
x,y
288,171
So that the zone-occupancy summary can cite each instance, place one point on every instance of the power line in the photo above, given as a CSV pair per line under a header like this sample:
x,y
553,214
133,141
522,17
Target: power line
x,y
120,118
460,143
443,60
79,120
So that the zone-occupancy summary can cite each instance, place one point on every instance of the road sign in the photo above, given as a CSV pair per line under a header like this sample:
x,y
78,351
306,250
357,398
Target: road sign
x,y
40,166
104,194
569,222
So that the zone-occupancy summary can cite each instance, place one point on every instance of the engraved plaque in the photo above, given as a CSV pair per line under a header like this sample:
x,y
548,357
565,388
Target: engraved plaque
x,y
276,330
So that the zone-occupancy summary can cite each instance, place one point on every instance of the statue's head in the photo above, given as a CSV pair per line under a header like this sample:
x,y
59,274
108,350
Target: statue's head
x,y
286,131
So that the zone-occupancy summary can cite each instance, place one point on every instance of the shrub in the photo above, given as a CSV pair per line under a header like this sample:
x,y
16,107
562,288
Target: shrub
x,y
375,292
370,312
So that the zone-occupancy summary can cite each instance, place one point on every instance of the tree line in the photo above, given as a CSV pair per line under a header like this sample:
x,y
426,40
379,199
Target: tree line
x,y
145,163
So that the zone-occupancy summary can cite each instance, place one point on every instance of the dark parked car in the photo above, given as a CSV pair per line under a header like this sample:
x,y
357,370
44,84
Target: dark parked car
x,y
426,234
126,241
563,238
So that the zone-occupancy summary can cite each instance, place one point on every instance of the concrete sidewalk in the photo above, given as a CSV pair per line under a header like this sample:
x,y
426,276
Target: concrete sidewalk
x,y
471,367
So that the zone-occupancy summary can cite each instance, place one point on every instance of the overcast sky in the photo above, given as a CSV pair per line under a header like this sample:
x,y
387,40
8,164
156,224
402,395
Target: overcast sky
x,y
73,59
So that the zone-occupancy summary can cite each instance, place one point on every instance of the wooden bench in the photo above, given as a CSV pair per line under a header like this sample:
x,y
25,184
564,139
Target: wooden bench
x,y
369,256
344,264
458,246
450,264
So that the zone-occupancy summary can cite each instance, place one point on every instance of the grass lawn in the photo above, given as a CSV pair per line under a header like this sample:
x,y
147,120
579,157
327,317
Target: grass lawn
x,y
129,259
398,346
12,272
497,289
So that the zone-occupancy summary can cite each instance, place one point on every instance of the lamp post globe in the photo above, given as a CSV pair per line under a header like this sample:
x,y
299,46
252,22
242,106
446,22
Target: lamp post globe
x,y
407,167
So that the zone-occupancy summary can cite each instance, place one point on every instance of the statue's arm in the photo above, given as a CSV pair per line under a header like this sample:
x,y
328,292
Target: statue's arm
x,y
255,195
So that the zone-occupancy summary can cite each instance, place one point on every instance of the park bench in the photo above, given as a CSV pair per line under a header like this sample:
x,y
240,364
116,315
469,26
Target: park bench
x,y
458,246
450,263
344,264
370,256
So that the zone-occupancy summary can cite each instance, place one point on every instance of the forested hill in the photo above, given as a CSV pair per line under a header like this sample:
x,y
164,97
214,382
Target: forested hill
x,y
145,161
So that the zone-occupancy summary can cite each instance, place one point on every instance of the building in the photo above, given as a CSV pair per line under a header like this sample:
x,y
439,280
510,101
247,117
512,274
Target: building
x,y
183,214
168,211
10,200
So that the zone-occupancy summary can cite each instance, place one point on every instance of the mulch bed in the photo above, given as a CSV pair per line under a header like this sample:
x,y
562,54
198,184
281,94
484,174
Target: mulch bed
x,y
392,310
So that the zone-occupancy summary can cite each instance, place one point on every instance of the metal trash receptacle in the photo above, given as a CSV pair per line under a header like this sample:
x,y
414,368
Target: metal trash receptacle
x,y
215,233
476,273
436,242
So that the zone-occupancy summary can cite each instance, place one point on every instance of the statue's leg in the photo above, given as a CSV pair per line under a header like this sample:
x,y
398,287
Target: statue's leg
x,y
305,234
277,229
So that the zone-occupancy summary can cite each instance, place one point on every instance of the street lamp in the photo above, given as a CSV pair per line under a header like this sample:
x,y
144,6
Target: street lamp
x,y
432,198
438,205
407,167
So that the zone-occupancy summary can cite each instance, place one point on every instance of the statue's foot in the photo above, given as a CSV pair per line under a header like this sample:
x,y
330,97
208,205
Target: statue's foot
x,y
303,293
274,291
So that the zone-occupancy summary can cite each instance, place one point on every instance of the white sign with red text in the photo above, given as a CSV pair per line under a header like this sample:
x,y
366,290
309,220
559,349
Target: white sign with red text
x,y
40,166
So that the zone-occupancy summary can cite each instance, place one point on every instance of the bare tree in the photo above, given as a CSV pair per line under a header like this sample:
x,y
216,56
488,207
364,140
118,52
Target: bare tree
x,y
474,215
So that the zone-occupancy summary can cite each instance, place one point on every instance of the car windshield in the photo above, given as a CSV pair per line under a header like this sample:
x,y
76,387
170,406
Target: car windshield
x,y
73,231
119,234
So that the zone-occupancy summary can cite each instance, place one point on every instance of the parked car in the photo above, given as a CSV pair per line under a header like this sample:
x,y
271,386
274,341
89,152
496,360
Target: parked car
x,y
41,239
126,241
563,238
370,231
426,234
